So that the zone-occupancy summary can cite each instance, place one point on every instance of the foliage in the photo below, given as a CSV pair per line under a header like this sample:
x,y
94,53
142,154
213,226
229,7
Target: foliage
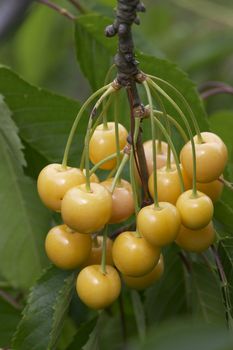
x,y
187,305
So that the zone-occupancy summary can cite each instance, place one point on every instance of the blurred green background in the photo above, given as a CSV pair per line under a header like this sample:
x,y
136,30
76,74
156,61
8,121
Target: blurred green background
x,y
197,35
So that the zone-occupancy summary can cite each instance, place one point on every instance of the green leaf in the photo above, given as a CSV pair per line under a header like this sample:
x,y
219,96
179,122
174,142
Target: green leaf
x,y
167,297
221,123
223,212
82,335
68,332
225,250
24,221
92,46
9,318
10,132
41,116
179,79
45,312
205,293
139,314
186,334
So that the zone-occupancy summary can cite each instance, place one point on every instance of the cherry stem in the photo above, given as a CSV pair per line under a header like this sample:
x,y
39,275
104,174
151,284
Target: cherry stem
x,y
104,244
87,162
148,93
62,11
108,75
175,123
108,92
76,121
104,110
88,135
102,161
132,168
189,109
119,171
177,108
116,112
111,173
133,183
169,141
164,112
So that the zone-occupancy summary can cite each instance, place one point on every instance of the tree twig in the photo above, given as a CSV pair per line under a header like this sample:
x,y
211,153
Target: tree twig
x,y
9,299
212,88
217,91
226,183
62,11
224,284
210,84
129,75
78,6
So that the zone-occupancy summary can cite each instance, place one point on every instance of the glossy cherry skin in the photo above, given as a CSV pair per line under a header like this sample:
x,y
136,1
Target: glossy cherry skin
x,y
103,144
85,211
98,290
93,177
96,252
211,157
122,200
54,181
134,256
147,280
67,249
196,241
212,189
161,155
195,212
168,184
159,226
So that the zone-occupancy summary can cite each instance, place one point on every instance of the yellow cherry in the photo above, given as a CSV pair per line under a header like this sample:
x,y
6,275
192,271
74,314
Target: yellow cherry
x,y
134,256
196,241
96,289
103,144
67,249
211,157
122,200
147,280
86,211
159,226
195,211
54,181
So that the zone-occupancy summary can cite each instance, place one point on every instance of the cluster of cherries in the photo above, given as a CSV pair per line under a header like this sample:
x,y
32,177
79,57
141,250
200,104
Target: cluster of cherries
x,y
181,214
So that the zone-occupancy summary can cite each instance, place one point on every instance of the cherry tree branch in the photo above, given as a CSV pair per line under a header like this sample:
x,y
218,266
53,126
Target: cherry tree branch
x,y
78,6
129,74
9,299
212,88
62,11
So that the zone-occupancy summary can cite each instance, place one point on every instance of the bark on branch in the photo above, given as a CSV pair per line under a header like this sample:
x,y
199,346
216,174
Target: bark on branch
x,y
125,60
129,74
